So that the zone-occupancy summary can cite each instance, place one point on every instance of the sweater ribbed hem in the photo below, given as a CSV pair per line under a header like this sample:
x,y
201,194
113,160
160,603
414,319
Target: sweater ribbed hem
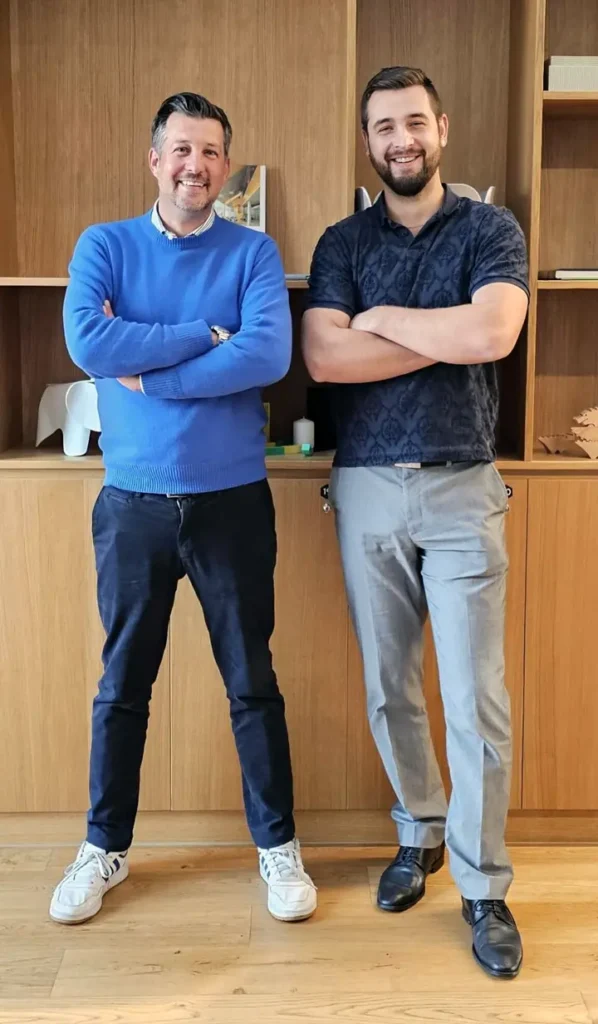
x,y
197,479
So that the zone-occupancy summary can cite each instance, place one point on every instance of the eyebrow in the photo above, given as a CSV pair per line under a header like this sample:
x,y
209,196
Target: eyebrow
x,y
391,120
185,142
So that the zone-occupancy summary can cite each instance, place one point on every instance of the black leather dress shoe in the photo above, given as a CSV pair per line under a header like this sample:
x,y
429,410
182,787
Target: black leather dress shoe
x,y
403,883
496,940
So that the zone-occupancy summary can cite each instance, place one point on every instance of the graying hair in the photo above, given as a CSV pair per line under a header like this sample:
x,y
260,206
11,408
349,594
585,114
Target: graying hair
x,y
193,105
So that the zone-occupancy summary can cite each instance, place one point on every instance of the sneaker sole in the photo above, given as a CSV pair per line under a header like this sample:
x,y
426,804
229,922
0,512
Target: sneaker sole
x,y
290,920
112,883
402,907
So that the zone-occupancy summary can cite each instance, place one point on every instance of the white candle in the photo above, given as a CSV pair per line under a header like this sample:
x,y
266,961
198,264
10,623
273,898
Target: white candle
x,y
303,431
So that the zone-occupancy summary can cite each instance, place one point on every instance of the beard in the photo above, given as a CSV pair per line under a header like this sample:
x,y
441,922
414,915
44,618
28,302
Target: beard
x,y
407,184
192,201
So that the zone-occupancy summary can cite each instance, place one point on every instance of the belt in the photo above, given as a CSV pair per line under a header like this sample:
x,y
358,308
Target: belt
x,y
420,465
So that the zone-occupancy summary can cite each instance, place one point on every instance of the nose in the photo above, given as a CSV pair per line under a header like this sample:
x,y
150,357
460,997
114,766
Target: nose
x,y
402,138
195,165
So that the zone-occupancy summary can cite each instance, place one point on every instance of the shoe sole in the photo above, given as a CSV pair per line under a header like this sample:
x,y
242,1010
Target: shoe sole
x,y
291,920
113,882
506,975
402,907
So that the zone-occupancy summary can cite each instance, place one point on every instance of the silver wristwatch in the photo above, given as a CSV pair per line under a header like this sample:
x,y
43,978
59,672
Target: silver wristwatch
x,y
221,333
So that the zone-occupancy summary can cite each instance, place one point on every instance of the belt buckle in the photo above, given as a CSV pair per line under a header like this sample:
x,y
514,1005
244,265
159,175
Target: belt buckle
x,y
408,465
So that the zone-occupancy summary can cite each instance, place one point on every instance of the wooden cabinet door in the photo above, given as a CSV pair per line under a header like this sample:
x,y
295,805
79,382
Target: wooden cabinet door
x,y
50,644
44,698
367,785
561,665
310,658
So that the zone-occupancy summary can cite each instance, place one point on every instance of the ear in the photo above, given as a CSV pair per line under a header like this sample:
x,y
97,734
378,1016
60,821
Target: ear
x,y
443,127
366,143
154,160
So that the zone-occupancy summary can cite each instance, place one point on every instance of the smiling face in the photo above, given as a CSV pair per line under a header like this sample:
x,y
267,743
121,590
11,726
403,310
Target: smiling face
x,y
190,166
404,138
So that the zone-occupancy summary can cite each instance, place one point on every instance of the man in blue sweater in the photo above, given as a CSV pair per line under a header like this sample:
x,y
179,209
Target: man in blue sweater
x,y
182,317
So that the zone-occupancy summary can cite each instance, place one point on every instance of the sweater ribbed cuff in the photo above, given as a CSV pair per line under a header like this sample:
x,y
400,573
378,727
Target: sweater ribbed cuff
x,y
162,383
166,383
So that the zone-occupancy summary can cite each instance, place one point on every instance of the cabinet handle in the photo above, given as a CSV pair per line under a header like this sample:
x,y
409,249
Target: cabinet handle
x,y
326,507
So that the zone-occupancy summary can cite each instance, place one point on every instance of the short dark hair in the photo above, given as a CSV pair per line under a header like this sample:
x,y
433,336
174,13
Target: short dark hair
x,y
400,77
193,105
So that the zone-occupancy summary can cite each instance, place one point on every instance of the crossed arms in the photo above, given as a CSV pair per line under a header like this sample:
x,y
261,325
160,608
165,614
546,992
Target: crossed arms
x,y
390,341
177,361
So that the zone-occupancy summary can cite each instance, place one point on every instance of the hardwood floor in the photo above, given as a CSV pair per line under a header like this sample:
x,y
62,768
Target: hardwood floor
x,y
188,938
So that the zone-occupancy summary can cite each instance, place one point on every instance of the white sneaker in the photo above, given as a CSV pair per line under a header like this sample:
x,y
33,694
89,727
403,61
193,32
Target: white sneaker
x,y
291,892
79,895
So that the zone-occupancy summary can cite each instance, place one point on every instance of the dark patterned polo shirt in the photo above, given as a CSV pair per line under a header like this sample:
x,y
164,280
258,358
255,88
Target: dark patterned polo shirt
x,y
442,412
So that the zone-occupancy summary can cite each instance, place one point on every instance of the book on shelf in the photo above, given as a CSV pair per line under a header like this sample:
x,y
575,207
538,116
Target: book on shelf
x,y
583,274
243,196
572,74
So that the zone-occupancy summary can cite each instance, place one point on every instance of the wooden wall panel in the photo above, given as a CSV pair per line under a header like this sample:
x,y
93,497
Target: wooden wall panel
x,y
85,96
50,643
571,31
524,157
8,238
463,46
367,785
43,663
310,658
561,668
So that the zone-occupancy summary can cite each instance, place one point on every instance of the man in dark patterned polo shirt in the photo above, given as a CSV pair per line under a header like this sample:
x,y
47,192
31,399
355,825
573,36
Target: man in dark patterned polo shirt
x,y
411,303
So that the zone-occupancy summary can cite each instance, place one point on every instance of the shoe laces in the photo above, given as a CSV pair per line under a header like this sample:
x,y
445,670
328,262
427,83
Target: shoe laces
x,y
408,855
497,907
86,858
284,864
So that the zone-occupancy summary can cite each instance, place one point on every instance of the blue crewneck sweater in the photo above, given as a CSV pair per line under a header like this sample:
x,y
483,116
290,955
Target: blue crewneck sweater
x,y
199,425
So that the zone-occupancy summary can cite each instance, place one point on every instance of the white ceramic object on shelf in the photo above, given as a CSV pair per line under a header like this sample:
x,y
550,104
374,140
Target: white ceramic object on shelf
x,y
73,409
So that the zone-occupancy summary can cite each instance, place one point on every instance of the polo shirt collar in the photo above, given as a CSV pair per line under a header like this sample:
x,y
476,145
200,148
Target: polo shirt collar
x,y
449,205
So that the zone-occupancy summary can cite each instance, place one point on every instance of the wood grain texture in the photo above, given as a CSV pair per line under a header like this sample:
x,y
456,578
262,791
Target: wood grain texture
x,y
571,104
43,666
568,237
561,770
577,36
566,359
367,785
8,221
450,41
200,829
310,658
524,161
83,103
10,371
216,955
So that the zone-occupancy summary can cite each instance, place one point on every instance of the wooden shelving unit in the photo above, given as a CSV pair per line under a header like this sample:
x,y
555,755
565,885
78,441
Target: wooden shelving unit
x,y
570,104
567,286
539,150
62,282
